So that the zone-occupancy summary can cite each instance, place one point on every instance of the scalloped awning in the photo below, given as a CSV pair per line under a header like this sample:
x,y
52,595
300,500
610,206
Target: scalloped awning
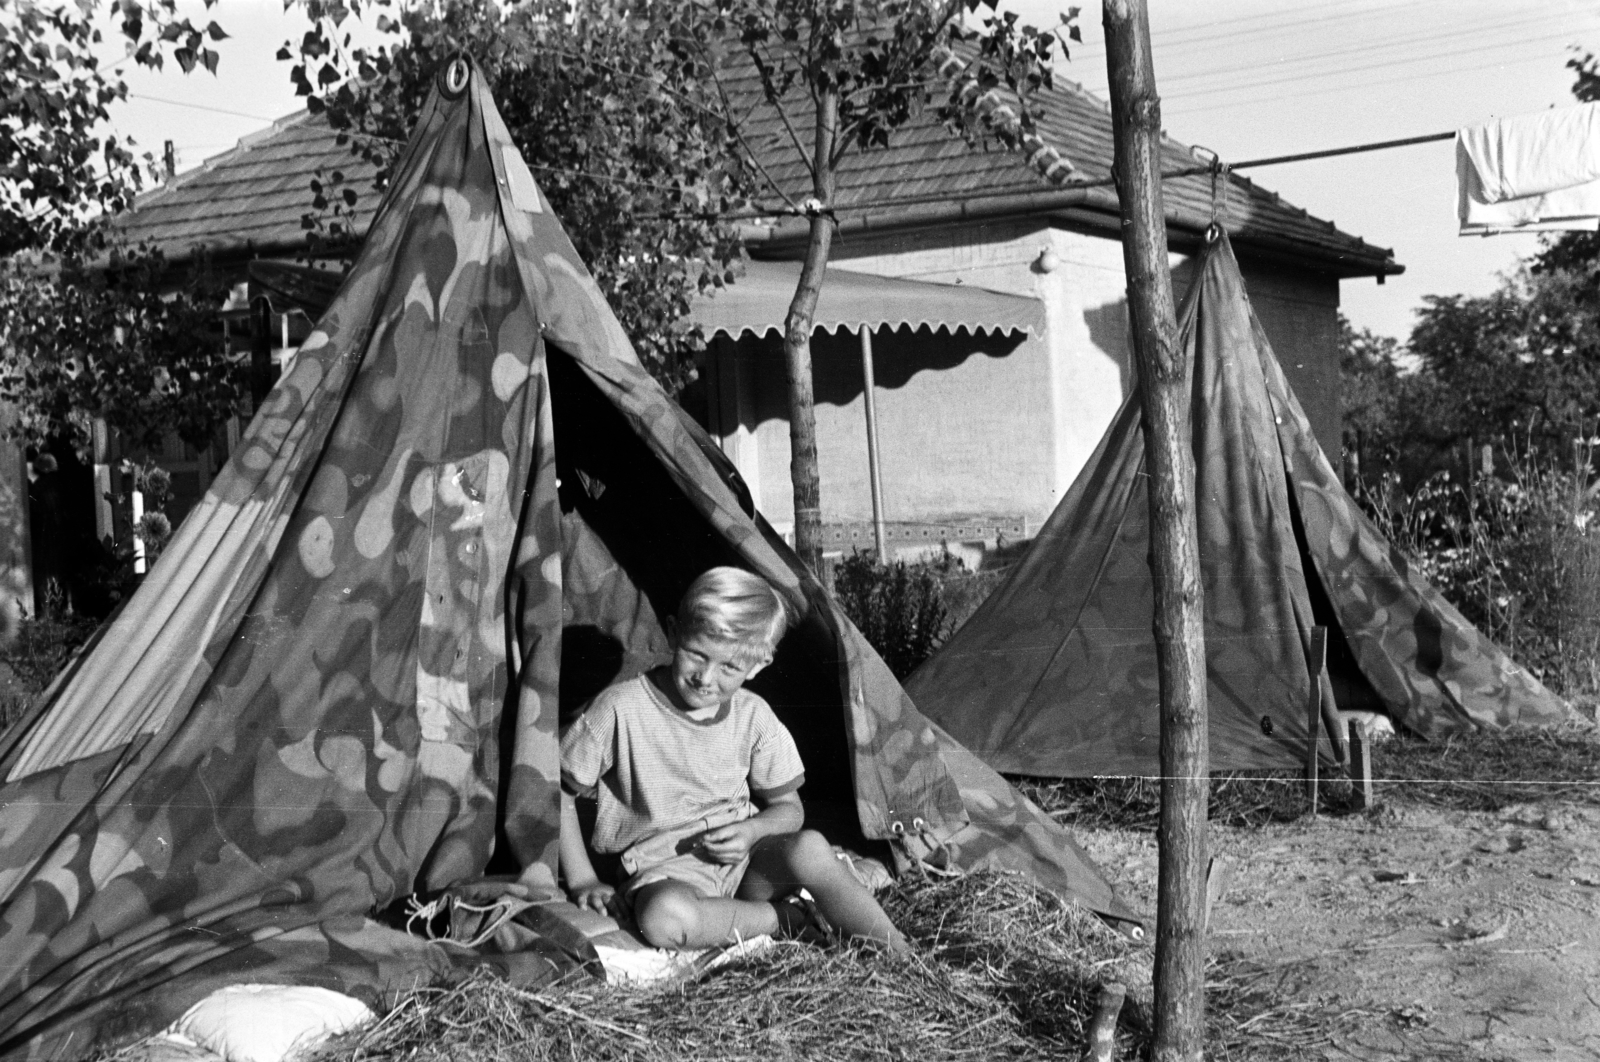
x,y
759,302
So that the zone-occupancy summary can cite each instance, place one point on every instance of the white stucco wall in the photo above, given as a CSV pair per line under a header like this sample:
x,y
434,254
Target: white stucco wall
x,y
1084,296
1003,431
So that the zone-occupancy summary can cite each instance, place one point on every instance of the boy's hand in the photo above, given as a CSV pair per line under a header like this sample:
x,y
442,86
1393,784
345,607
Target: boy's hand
x,y
598,897
731,843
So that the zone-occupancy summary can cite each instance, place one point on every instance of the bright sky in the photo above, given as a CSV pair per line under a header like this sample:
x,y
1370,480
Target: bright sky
x,y
1247,78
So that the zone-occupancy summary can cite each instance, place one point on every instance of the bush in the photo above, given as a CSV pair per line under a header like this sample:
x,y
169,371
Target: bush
x,y
899,607
1518,552
42,647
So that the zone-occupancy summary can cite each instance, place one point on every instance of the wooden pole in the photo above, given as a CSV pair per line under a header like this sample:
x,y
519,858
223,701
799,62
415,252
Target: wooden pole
x,y
880,532
1316,664
1103,1027
1174,554
803,471
260,350
1361,763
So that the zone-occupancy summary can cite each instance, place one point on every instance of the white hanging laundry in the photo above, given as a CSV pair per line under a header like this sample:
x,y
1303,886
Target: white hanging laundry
x,y
1531,173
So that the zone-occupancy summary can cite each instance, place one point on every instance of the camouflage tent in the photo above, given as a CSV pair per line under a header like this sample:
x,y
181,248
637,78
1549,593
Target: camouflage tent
x,y
463,506
1056,673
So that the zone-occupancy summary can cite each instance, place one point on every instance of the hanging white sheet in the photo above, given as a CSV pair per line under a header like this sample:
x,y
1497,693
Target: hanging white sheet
x,y
1530,173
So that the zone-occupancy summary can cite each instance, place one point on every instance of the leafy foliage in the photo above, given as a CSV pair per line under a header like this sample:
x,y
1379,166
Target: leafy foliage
x,y
41,648
877,58
1523,359
1369,366
1511,542
623,129
899,607
1518,552
81,344
57,170
1519,367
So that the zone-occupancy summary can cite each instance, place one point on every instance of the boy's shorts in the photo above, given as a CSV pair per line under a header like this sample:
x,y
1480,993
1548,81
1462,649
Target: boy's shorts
x,y
675,856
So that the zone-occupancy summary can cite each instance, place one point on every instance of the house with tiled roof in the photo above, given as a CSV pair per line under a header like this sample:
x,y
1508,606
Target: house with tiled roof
x,y
988,284
983,423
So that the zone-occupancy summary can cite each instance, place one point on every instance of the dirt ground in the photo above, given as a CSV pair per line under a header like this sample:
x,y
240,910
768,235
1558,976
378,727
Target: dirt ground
x,y
1413,932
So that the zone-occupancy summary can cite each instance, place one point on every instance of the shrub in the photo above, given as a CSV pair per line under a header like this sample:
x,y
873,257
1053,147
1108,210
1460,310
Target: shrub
x,y
1517,551
899,607
42,647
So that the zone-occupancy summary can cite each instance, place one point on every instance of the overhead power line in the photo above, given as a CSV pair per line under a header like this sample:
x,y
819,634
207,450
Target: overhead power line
x,y
195,106
1259,26
1381,65
1406,79
1386,45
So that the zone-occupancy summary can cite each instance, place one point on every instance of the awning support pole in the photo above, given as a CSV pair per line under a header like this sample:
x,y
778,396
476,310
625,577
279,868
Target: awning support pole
x,y
880,533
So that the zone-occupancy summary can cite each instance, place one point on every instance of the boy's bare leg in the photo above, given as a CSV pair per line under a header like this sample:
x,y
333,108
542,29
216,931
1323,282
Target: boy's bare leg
x,y
781,864
671,914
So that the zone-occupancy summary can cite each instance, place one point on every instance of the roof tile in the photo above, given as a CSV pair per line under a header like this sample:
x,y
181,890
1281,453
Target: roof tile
x,y
253,198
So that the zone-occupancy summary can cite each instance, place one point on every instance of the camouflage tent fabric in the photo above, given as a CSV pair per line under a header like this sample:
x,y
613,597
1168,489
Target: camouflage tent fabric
x,y
463,509
1055,675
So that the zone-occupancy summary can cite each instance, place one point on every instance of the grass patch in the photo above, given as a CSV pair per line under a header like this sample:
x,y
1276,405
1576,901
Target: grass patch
x,y
40,650
1002,969
1484,770
1490,770
1126,802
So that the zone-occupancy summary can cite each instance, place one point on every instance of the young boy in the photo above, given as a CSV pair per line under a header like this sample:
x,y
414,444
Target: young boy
x,y
697,783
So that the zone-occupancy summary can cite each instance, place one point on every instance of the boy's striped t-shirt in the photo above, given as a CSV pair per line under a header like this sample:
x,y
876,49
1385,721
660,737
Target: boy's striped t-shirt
x,y
654,769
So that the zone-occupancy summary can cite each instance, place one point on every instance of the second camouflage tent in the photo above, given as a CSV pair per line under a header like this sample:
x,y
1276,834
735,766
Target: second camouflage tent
x,y
1055,675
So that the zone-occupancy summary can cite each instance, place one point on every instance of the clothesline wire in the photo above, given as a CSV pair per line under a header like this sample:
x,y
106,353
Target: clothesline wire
x,y
1275,160
1187,171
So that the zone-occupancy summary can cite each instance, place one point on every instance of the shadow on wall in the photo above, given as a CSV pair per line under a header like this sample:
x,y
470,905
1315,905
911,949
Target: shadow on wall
x,y
897,357
1108,331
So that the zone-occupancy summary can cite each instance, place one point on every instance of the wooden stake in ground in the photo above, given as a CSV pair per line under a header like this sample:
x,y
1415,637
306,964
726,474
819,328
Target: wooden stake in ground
x,y
1174,554
1103,1028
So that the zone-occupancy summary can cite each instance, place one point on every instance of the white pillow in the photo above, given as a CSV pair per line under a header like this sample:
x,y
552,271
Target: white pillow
x,y
268,1023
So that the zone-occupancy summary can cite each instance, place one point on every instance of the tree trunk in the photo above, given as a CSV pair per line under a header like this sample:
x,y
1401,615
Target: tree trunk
x,y
1174,555
797,344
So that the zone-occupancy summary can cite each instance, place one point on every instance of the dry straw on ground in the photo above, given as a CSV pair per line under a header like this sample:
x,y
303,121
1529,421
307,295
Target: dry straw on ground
x,y
1129,802
1001,969
1492,770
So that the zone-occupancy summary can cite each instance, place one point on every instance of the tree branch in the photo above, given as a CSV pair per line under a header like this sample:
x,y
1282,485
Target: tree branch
x,y
738,132
777,105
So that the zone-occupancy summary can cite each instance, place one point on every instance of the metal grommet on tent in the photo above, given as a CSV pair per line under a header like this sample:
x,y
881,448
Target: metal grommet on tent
x,y
455,76
939,860
897,828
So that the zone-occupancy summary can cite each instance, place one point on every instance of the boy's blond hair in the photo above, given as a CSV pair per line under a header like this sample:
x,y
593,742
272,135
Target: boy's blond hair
x,y
733,605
